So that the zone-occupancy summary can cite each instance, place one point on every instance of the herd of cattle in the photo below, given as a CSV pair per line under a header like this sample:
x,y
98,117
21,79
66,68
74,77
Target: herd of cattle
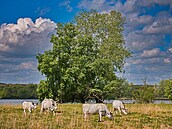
x,y
101,109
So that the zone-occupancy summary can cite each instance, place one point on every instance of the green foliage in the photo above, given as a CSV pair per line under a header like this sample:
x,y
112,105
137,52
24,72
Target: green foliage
x,y
107,29
167,86
84,58
44,91
159,91
118,89
144,94
18,91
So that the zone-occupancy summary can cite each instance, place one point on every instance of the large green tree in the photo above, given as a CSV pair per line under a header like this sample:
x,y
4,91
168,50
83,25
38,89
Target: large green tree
x,y
84,58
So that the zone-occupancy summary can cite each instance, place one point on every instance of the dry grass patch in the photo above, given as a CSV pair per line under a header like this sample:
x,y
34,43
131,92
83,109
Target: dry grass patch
x,y
70,116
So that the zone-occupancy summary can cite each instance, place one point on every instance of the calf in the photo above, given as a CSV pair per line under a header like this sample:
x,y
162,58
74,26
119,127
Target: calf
x,y
28,105
100,109
48,104
119,105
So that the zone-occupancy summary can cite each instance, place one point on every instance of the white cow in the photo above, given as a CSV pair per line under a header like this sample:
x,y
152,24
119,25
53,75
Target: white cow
x,y
119,105
100,109
48,104
28,105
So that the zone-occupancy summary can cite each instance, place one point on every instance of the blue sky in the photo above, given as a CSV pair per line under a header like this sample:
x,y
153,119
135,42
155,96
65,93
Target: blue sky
x,y
26,27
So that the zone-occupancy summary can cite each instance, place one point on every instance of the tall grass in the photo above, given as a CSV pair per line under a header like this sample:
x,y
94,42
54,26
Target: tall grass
x,y
70,116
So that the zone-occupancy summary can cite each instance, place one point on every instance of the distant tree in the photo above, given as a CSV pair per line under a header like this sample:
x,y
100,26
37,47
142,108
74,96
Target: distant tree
x,y
144,94
84,58
166,87
159,89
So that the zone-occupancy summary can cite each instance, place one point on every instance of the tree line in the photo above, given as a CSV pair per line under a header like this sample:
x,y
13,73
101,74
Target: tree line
x,y
18,91
140,93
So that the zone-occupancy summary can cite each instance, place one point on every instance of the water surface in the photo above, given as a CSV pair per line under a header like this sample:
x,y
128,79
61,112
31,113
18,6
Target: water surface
x,y
19,101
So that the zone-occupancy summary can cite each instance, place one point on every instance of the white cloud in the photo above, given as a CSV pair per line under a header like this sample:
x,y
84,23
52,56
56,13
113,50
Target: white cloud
x,y
27,65
159,27
134,20
151,53
167,60
129,6
151,61
162,24
150,3
138,41
67,5
100,5
26,37
19,44
42,11
170,50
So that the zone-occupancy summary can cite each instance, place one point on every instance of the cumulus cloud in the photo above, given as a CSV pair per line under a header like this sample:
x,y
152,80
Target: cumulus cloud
x,y
167,60
135,20
160,26
19,44
151,53
149,3
27,65
170,50
138,41
26,37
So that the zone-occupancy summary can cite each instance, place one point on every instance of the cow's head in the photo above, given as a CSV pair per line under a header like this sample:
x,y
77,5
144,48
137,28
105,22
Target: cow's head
x,y
110,115
125,111
34,105
54,106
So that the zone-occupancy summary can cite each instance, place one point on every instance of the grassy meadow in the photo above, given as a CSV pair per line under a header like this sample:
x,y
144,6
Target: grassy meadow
x,y
70,116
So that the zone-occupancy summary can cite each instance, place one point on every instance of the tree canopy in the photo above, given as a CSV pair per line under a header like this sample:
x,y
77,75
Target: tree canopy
x,y
84,58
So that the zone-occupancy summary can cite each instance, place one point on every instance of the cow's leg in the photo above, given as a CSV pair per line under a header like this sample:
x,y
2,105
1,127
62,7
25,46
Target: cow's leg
x,y
115,110
119,109
85,116
30,110
100,116
54,113
41,110
24,111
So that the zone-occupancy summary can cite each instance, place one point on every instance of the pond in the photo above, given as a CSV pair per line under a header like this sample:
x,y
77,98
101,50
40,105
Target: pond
x,y
165,101
19,101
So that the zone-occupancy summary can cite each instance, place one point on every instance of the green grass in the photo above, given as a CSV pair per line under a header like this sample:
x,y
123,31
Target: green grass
x,y
70,116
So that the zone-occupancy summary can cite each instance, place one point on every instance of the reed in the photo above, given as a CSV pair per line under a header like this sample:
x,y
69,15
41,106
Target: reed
x,y
70,116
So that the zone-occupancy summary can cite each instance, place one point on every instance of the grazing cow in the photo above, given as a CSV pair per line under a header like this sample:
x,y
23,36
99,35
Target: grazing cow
x,y
100,109
28,105
48,104
119,105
